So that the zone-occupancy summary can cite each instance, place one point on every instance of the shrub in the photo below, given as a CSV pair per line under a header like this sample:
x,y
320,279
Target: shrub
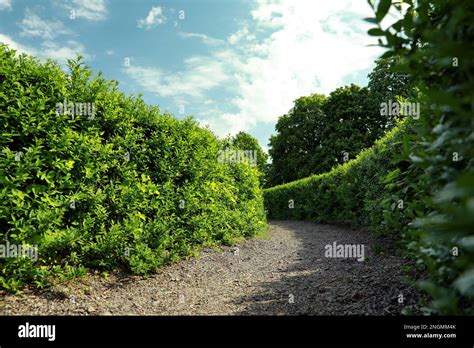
x,y
126,186
319,131
427,165
247,147
353,193
434,41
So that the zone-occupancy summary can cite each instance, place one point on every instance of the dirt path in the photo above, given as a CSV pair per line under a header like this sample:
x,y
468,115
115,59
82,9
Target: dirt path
x,y
285,273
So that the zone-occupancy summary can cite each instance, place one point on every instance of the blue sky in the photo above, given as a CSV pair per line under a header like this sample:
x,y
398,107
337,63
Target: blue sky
x,y
233,65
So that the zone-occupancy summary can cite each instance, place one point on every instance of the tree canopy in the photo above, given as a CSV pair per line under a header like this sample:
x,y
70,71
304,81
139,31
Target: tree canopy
x,y
294,149
320,132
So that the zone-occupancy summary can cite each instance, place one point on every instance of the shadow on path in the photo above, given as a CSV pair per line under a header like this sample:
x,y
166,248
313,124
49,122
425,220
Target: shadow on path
x,y
308,283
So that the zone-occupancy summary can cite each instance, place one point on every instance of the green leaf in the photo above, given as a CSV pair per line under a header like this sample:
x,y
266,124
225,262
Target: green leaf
x,y
465,283
416,159
382,9
376,32
392,175
387,54
397,25
371,20
408,21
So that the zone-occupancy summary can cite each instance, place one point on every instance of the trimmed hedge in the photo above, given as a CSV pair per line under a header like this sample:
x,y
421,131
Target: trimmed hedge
x,y
129,187
384,192
354,193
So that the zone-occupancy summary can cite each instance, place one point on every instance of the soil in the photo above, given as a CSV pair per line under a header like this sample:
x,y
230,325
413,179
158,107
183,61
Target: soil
x,y
284,273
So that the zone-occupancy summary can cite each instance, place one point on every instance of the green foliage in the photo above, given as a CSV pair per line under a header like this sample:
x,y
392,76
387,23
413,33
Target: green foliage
x,y
386,84
434,41
418,180
353,193
319,132
245,142
297,141
349,125
129,187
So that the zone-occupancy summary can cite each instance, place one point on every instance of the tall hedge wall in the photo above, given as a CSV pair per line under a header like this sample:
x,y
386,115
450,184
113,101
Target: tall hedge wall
x,y
127,186
354,193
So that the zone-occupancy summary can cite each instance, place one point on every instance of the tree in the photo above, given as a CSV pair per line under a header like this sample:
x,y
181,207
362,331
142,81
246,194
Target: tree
x,y
298,136
348,126
386,83
321,132
245,142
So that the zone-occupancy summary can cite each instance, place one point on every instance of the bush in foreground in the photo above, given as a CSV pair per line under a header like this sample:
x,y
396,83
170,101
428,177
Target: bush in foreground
x,y
107,181
434,41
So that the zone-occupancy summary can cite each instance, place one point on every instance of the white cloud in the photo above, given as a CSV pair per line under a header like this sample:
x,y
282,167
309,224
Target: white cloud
x,y
154,18
33,26
110,52
201,74
92,10
240,34
307,46
313,46
15,45
5,5
48,49
268,13
62,52
204,38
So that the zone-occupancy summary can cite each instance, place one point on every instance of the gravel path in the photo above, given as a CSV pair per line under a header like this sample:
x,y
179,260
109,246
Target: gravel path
x,y
285,273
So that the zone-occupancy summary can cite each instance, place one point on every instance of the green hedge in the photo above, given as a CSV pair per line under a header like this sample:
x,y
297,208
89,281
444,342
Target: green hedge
x,y
434,42
129,187
354,193
382,191
429,166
